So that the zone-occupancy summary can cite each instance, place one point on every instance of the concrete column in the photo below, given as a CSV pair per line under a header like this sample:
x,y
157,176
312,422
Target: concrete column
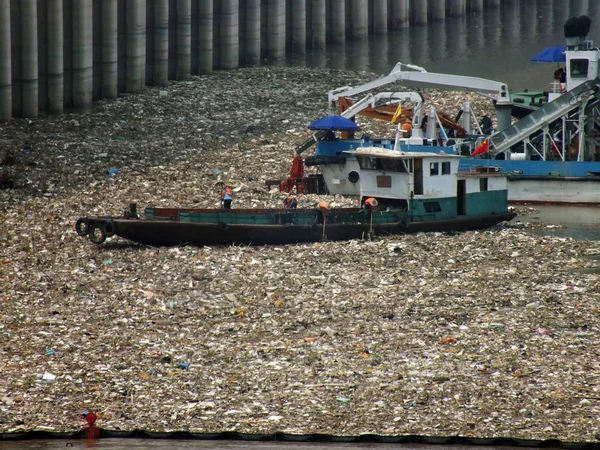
x,y
298,16
275,29
205,36
457,8
5,62
82,47
530,20
252,38
360,19
42,49
184,39
229,37
493,3
380,16
438,9
55,42
109,49
160,56
338,21
581,7
400,14
476,6
319,23
29,59
135,45
420,10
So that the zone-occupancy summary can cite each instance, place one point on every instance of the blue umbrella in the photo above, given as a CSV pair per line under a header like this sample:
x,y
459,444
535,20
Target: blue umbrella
x,y
333,123
551,54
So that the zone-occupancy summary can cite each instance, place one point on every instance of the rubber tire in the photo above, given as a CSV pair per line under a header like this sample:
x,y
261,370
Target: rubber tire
x,y
223,226
109,229
82,227
97,239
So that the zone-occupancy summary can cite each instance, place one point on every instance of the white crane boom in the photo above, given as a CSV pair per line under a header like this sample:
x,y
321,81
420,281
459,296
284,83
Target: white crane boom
x,y
420,75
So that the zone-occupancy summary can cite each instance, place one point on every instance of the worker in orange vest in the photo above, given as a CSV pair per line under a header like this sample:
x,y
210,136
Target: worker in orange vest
x,y
226,197
370,204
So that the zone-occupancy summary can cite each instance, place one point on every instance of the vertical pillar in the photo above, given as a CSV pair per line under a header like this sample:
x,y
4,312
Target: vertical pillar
x,y
252,41
476,6
55,43
109,53
420,10
380,16
580,8
82,54
493,3
184,39
438,9
135,45
29,59
338,21
298,14
360,19
5,62
275,29
205,36
229,19
160,56
457,8
400,16
42,50
319,22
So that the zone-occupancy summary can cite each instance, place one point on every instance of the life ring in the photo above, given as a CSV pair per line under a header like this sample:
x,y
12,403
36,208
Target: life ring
x,y
223,226
96,233
82,226
109,228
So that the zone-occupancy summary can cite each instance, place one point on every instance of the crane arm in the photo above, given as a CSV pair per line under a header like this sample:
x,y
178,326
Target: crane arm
x,y
420,75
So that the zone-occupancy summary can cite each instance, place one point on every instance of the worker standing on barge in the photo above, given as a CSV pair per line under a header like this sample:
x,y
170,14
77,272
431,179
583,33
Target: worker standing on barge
x,y
226,197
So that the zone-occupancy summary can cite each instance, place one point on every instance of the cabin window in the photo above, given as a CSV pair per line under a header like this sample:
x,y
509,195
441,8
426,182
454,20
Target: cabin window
x,y
391,165
483,184
579,68
431,207
434,169
446,168
384,181
367,162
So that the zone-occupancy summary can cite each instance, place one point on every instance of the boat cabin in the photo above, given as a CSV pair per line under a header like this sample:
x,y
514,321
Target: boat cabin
x,y
429,183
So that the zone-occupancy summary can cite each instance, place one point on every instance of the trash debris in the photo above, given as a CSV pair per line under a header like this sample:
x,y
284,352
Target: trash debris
x,y
272,336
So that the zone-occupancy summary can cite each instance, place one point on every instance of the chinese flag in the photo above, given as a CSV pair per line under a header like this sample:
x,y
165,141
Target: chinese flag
x,y
484,147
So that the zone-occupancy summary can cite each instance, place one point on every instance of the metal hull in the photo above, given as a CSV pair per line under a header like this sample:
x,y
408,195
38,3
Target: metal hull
x,y
173,233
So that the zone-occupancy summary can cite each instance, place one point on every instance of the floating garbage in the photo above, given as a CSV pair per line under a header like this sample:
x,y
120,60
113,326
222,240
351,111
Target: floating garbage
x,y
480,334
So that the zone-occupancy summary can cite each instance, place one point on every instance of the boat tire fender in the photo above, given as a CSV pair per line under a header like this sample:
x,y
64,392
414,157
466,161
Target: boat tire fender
x,y
353,176
82,226
109,228
97,233
403,224
223,226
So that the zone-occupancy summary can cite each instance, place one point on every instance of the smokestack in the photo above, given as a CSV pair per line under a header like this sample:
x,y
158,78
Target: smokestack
x,y
576,29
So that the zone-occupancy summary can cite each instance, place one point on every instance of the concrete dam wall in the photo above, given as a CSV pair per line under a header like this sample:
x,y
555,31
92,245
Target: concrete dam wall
x,y
57,54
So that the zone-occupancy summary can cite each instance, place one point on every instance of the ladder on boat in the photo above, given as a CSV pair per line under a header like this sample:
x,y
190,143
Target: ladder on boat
x,y
525,129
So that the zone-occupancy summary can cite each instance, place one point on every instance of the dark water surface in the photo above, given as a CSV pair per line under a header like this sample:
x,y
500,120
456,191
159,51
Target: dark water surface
x,y
497,44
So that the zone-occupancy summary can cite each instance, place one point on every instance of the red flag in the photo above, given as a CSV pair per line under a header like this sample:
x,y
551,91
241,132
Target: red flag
x,y
484,147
